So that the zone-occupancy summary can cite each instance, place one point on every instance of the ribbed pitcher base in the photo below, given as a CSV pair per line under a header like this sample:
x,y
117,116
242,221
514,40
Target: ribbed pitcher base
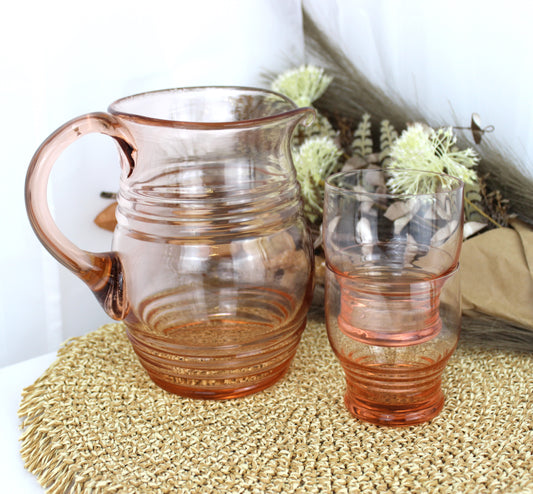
x,y
220,389
221,373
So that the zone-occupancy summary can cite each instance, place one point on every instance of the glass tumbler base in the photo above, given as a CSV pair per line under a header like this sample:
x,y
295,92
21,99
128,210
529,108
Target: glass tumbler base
x,y
395,416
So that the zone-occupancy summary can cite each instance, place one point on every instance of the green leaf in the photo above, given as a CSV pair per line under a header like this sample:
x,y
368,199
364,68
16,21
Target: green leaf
x,y
387,137
362,143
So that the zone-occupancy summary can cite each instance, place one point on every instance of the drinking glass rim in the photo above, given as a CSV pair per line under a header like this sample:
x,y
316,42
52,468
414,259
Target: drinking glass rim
x,y
458,183
143,118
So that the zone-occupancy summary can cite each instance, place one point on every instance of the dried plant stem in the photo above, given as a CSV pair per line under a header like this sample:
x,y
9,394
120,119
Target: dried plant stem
x,y
481,212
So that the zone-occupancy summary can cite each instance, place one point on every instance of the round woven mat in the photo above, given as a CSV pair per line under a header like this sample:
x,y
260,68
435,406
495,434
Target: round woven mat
x,y
94,422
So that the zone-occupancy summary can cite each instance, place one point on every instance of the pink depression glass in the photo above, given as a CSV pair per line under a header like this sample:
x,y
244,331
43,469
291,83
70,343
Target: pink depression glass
x,y
211,266
392,291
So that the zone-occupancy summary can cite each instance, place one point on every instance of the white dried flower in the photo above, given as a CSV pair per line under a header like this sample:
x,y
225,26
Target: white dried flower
x,y
314,161
422,148
316,158
303,85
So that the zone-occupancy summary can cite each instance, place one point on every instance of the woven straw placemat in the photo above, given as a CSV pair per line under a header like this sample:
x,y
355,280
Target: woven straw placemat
x,y
94,422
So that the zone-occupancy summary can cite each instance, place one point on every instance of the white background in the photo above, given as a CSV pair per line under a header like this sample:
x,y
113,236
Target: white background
x,y
60,59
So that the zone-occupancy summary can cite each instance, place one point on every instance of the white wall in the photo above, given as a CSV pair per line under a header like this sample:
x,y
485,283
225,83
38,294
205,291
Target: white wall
x,y
451,58
60,59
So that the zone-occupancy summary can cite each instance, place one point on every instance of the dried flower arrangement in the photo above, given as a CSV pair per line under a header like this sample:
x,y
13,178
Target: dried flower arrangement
x,y
498,194
319,151
350,95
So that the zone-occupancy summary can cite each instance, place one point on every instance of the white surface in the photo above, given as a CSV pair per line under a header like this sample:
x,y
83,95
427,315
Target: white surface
x,y
13,379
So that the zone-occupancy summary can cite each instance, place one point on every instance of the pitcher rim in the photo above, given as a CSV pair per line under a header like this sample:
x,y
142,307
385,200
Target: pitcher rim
x,y
253,122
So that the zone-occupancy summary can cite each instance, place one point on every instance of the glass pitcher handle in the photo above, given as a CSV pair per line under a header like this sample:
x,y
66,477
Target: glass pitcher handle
x,y
102,272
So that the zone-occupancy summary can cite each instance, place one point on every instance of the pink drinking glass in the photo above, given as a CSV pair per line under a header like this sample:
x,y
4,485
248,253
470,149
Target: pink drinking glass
x,y
392,290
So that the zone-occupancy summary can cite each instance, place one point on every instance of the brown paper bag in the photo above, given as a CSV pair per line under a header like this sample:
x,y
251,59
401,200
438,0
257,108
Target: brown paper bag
x,y
497,275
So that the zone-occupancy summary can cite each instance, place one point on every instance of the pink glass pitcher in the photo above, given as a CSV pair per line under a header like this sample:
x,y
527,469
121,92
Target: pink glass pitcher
x,y
211,266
